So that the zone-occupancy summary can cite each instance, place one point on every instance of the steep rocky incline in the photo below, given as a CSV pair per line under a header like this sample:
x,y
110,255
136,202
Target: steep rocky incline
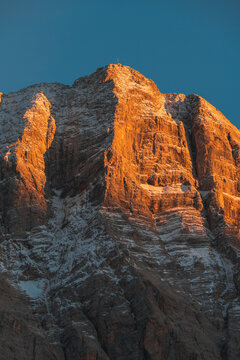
x,y
25,158
119,231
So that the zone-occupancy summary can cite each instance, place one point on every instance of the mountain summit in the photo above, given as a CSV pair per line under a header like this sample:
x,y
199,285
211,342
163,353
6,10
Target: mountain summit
x,y
120,218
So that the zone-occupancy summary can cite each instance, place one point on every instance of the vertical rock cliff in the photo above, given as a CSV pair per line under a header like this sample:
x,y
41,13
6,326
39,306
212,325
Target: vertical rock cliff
x,y
25,204
119,234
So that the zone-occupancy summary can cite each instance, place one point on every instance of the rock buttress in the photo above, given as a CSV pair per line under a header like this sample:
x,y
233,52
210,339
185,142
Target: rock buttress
x,y
149,167
170,151
218,163
24,204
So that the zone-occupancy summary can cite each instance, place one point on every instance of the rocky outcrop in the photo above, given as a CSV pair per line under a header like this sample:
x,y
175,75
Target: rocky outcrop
x,y
21,337
217,160
24,205
119,222
170,151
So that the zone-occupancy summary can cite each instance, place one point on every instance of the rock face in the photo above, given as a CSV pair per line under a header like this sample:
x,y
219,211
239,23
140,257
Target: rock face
x,y
120,211
25,204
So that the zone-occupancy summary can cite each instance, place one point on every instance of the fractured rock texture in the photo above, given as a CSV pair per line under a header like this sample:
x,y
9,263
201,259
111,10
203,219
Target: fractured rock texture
x,y
119,233
24,204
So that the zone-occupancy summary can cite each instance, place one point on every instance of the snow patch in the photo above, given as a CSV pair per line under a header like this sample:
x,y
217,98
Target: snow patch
x,y
34,289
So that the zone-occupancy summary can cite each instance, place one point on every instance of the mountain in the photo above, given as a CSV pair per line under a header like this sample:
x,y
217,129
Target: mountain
x,y
120,217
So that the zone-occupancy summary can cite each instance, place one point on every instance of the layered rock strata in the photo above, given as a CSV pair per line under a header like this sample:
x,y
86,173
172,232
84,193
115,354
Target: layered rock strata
x,y
119,222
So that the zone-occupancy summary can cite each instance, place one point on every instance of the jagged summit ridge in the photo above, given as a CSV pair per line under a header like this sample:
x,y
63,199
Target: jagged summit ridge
x,y
136,253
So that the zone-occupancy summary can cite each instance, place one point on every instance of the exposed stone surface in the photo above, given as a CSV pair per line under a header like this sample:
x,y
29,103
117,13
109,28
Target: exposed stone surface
x,y
119,223
24,165
21,337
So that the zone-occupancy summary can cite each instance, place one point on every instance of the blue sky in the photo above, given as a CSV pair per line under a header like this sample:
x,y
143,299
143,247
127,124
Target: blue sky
x,y
184,46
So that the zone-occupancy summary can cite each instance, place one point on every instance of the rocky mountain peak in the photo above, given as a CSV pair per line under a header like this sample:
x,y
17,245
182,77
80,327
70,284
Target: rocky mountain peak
x,y
119,232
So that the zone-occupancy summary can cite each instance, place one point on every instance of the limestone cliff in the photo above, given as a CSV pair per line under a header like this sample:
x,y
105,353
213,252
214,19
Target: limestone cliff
x,y
119,234
25,204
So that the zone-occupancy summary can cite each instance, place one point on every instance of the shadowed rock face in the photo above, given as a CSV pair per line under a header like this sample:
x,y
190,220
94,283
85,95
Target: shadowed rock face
x,y
119,222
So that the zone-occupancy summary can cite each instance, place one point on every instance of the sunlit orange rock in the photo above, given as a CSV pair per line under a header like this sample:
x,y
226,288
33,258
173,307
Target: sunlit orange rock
x,y
170,151
150,151
218,162
26,158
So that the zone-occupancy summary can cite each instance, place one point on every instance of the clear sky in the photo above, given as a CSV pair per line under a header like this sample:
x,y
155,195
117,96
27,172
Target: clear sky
x,y
185,46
